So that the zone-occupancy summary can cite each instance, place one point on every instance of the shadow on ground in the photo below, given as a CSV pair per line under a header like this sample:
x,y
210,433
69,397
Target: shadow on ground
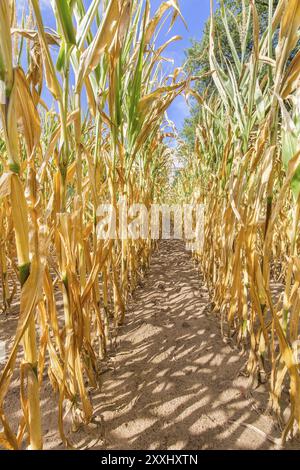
x,y
172,382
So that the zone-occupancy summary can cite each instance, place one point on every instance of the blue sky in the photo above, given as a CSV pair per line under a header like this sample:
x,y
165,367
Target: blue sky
x,y
195,13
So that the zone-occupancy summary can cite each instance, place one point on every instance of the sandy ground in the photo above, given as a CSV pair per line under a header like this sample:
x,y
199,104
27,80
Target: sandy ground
x,y
172,382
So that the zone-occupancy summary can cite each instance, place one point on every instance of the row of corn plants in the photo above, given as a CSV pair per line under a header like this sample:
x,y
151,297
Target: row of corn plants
x,y
245,168
101,141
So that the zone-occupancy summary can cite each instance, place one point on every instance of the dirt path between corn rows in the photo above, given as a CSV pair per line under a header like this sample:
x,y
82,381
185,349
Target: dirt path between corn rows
x,y
173,383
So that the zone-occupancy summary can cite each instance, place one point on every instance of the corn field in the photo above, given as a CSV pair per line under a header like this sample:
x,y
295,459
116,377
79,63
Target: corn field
x,y
103,141
245,169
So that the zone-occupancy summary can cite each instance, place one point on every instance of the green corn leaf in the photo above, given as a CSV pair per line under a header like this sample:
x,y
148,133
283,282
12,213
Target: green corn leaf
x,y
64,18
